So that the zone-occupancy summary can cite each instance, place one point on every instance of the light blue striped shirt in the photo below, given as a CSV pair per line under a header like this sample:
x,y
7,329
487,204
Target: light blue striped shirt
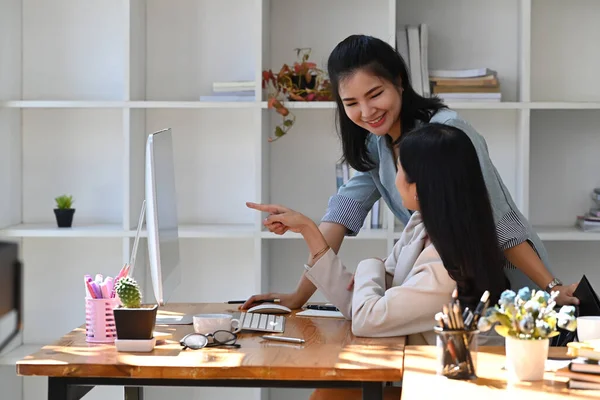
x,y
354,199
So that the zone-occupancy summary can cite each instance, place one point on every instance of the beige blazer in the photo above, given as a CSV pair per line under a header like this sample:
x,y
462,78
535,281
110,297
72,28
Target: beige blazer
x,y
396,297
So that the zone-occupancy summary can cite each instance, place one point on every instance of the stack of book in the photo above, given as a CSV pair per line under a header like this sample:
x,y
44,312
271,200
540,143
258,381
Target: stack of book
x,y
411,43
583,371
374,220
590,221
478,84
232,91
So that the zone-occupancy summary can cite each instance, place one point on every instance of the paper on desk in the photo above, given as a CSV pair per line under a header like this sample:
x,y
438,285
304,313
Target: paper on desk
x,y
320,313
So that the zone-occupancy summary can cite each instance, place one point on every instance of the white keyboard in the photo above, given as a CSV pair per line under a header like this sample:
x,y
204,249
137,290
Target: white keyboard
x,y
262,322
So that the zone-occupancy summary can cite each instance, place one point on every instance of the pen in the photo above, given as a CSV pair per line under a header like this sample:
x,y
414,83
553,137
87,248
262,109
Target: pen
x,y
257,301
480,307
283,339
321,307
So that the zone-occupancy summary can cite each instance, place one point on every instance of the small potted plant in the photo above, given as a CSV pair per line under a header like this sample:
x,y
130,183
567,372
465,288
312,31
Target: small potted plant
x,y
303,81
527,320
132,320
64,211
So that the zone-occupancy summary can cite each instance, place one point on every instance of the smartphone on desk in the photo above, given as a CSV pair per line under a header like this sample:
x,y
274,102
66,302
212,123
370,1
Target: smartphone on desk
x,y
322,307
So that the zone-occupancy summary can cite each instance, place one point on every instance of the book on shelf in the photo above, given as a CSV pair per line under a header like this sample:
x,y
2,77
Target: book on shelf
x,y
462,87
411,43
590,221
250,96
483,81
231,91
470,97
461,73
587,223
234,86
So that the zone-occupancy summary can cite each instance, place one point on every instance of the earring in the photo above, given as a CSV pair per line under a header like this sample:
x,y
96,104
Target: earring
x,y
416,198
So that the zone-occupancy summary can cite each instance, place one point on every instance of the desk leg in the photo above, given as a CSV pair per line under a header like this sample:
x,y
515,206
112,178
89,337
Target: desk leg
x,y
134,393
372,391
61,389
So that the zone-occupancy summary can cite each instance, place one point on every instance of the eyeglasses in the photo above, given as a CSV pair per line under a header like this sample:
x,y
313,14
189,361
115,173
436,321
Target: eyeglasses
x,y
196,341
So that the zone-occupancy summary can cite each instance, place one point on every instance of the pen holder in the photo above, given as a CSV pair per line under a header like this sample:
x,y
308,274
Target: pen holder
x,y
457,353
100,320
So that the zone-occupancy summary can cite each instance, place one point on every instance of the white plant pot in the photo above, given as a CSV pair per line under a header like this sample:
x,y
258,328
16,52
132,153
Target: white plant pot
x,y
526,359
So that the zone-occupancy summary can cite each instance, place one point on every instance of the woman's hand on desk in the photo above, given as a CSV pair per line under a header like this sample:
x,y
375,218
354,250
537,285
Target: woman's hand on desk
x,y
290,300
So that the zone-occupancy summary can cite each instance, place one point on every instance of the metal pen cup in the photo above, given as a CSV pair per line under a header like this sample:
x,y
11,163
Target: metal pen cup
x,y
457,353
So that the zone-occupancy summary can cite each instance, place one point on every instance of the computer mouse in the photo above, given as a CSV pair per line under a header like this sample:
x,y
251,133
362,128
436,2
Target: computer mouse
x,y
269,308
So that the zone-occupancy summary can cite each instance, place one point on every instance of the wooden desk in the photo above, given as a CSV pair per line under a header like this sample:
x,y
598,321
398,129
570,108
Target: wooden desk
x,y
421,382
331,357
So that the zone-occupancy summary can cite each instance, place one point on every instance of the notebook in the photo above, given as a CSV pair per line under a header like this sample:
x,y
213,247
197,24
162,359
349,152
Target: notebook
x,y
320,313
588,305
588,299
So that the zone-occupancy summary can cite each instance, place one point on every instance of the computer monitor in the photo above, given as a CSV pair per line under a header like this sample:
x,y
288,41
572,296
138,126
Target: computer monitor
x,y
162,222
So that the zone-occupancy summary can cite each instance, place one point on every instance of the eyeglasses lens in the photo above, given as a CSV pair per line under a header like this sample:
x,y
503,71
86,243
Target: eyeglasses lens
x,y
196,341
224,337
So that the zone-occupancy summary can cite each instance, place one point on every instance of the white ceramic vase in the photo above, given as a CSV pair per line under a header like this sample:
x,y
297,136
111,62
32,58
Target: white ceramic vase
x,y
526,359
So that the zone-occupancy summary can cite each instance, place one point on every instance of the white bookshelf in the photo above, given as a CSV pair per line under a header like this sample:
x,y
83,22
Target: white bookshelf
x,y
81,86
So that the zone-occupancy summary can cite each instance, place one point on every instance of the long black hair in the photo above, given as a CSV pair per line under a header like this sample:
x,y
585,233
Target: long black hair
x,y
362,52
455,207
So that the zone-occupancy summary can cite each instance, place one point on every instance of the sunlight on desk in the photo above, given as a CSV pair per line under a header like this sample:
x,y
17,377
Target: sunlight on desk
x,y
188,358
363,356
421,382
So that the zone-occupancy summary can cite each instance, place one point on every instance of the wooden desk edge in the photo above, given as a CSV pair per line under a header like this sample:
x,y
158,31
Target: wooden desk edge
x,y
50,362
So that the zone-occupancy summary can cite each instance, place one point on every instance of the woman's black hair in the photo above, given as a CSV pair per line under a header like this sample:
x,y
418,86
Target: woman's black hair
x,y
455,206
362,52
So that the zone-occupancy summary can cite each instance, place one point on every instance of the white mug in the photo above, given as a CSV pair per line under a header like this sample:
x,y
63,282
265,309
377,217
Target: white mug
x,y
588,328
209,323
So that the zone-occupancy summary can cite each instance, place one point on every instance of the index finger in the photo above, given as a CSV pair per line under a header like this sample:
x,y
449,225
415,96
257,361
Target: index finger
x,y
270,208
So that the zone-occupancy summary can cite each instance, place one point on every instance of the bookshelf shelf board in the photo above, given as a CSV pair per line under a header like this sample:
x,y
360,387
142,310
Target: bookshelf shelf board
x,y
193,104
482,105
209,231
369,234
128,104
565,233
62,104
538,105
116,231
559,105
51,230
305,104
233,231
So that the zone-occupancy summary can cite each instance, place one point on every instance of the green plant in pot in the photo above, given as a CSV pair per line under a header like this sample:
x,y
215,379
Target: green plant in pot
x,y
64,211
132,320
527,319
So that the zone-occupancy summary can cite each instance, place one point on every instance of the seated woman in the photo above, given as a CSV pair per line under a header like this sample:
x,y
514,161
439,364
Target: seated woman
x,y
449,242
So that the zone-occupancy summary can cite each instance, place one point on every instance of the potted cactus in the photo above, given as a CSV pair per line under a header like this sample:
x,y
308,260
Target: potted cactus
x,y
64,211
132,320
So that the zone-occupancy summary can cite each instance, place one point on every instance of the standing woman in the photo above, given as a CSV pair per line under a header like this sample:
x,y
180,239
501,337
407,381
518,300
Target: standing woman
x,y
375,105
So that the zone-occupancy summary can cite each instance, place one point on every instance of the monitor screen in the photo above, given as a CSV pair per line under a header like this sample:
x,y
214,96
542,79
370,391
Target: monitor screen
x,y
161,216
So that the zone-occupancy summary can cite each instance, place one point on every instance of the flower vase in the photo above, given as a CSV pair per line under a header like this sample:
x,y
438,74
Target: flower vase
x,y
526,359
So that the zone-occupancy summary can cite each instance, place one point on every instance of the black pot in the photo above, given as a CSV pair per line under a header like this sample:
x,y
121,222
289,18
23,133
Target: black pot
x,y
64,217
135,323
300,81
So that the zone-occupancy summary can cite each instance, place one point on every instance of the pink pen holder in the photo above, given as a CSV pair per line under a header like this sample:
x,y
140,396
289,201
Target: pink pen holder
x,y
100,320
